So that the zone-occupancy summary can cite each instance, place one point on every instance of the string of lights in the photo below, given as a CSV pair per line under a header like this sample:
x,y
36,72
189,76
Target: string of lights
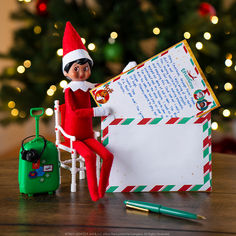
x,y
113,50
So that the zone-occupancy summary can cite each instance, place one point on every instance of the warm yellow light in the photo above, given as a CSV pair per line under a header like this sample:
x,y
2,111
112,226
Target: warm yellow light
x,y
60,52
228,62
18,89
187,35
207,35
156,31
216,87
228,86
226,112
235,67
27,63
14,112
50,92
11,104
20,69
53,87
63,83
49,112
214,125
83,40
114,35
22,114
214,20
37,29
199,45
20,0
27,1
91,46
229,56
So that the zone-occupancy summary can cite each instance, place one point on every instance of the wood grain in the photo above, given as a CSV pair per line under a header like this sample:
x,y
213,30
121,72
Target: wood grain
x,y
68,213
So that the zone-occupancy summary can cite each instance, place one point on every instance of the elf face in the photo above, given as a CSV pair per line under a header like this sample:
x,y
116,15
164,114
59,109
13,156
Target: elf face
x,y
78,72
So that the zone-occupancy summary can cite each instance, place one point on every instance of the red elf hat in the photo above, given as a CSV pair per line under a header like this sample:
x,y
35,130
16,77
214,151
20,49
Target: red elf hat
x,y
73,47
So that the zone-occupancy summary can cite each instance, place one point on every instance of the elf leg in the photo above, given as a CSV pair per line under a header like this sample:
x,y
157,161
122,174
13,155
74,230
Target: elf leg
x,y
107,158
90,163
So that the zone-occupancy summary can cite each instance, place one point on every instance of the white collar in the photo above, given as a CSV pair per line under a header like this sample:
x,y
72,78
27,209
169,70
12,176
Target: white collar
x,y
83,85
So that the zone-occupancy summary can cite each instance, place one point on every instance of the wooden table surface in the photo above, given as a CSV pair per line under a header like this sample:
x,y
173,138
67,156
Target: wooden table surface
x,y
68,213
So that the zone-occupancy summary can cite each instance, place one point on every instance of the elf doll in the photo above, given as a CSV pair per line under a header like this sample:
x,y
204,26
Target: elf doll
x,y
78,111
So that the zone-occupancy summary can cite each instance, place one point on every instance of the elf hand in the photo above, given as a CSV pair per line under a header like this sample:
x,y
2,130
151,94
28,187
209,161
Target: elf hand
x,y
101,111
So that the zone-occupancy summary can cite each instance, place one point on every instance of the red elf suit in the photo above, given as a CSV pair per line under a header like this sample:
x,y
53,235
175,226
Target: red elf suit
x,y
78,117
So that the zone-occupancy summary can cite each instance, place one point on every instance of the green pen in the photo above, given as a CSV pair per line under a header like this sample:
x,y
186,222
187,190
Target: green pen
x,y
145,206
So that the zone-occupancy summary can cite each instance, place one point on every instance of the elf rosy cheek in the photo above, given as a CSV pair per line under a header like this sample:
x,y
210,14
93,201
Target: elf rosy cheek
x,y
85,73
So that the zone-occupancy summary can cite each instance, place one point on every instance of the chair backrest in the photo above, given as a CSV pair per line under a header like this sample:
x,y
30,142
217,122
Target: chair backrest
x,y
59,120
62,109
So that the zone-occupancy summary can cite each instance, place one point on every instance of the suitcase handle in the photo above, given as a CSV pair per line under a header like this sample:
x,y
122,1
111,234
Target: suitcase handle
x,y
36,116
36,109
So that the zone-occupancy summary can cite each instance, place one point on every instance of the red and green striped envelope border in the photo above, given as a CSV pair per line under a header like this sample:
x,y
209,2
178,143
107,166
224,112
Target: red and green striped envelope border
x,y
205,121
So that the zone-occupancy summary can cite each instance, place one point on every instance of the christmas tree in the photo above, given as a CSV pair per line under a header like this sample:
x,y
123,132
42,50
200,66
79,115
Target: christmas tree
x,y
115,32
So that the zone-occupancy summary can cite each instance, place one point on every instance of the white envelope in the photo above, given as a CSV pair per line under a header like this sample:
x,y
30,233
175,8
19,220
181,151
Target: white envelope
x,y
171,150
159,154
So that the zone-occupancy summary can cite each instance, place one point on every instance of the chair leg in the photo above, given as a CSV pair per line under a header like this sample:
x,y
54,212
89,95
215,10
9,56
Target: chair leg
x,y
73,173
81,172
98,167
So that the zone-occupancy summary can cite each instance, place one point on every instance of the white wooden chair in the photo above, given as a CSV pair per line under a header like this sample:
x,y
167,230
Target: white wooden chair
x,y
71,164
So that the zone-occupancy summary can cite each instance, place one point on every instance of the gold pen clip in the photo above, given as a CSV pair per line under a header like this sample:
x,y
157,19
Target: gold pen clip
x,y
137,208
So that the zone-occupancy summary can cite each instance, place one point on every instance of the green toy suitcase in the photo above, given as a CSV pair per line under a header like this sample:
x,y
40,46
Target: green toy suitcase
x,y
38,163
